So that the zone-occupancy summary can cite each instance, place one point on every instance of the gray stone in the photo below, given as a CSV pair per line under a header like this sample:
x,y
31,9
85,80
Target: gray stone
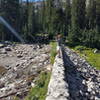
x,y
3,51
96,51
1,45
19,56
8,49
58,88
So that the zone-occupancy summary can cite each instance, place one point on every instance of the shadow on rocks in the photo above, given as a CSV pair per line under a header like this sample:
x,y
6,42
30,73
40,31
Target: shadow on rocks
x,y
76,83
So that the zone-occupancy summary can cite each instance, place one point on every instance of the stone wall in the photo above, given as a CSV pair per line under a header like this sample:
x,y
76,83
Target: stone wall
x,y
58,87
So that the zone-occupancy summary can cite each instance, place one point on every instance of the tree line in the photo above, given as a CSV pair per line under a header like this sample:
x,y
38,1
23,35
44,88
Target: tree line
x,y
78,21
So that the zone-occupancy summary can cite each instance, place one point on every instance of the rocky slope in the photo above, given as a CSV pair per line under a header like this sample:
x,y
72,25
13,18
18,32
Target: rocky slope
x,y
19,65
83,79
73,79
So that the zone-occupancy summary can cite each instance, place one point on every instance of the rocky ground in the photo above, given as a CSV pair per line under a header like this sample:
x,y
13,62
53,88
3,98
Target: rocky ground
x,y
73,78
82,78
19,65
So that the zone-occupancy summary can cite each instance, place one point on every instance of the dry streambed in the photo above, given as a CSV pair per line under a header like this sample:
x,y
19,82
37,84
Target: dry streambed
x,y
19,65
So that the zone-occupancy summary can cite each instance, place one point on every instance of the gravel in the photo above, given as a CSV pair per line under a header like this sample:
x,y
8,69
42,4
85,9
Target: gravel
x,y
22,62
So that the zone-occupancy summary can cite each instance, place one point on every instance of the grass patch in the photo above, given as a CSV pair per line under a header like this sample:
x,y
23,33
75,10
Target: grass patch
x,y
89,55
53,52
40,90
15,98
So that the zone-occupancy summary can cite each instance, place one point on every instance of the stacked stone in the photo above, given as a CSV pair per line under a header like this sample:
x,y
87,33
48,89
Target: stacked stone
x,y
58,87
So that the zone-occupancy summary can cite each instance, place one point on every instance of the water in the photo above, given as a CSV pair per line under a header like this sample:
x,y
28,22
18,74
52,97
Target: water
x,y
4,22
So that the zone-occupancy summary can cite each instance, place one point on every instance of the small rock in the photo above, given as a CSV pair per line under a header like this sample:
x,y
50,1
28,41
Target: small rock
x,y
19,56
84,82
1,85
32,84
8,49
40,64
17,64
1,45
96,51
96,98
3,52
49,67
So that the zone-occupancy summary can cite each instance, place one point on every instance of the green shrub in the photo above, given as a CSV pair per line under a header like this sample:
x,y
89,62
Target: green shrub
x,y
53,52
16,98
40,90
80,48
91,38
90,56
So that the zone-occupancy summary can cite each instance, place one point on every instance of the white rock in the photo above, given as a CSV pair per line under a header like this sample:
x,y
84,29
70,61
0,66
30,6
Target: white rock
x,y
8,49
3,51
33,84
1,45
96,51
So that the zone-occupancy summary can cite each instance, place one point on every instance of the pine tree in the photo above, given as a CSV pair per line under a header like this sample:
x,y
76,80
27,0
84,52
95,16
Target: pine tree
x,y
81,13
2,35
91,14
74,33
30,18
55,17
10,11
25,20
77,20
98,15
49,14
98,23
68,16
43,16
91,35
58,21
